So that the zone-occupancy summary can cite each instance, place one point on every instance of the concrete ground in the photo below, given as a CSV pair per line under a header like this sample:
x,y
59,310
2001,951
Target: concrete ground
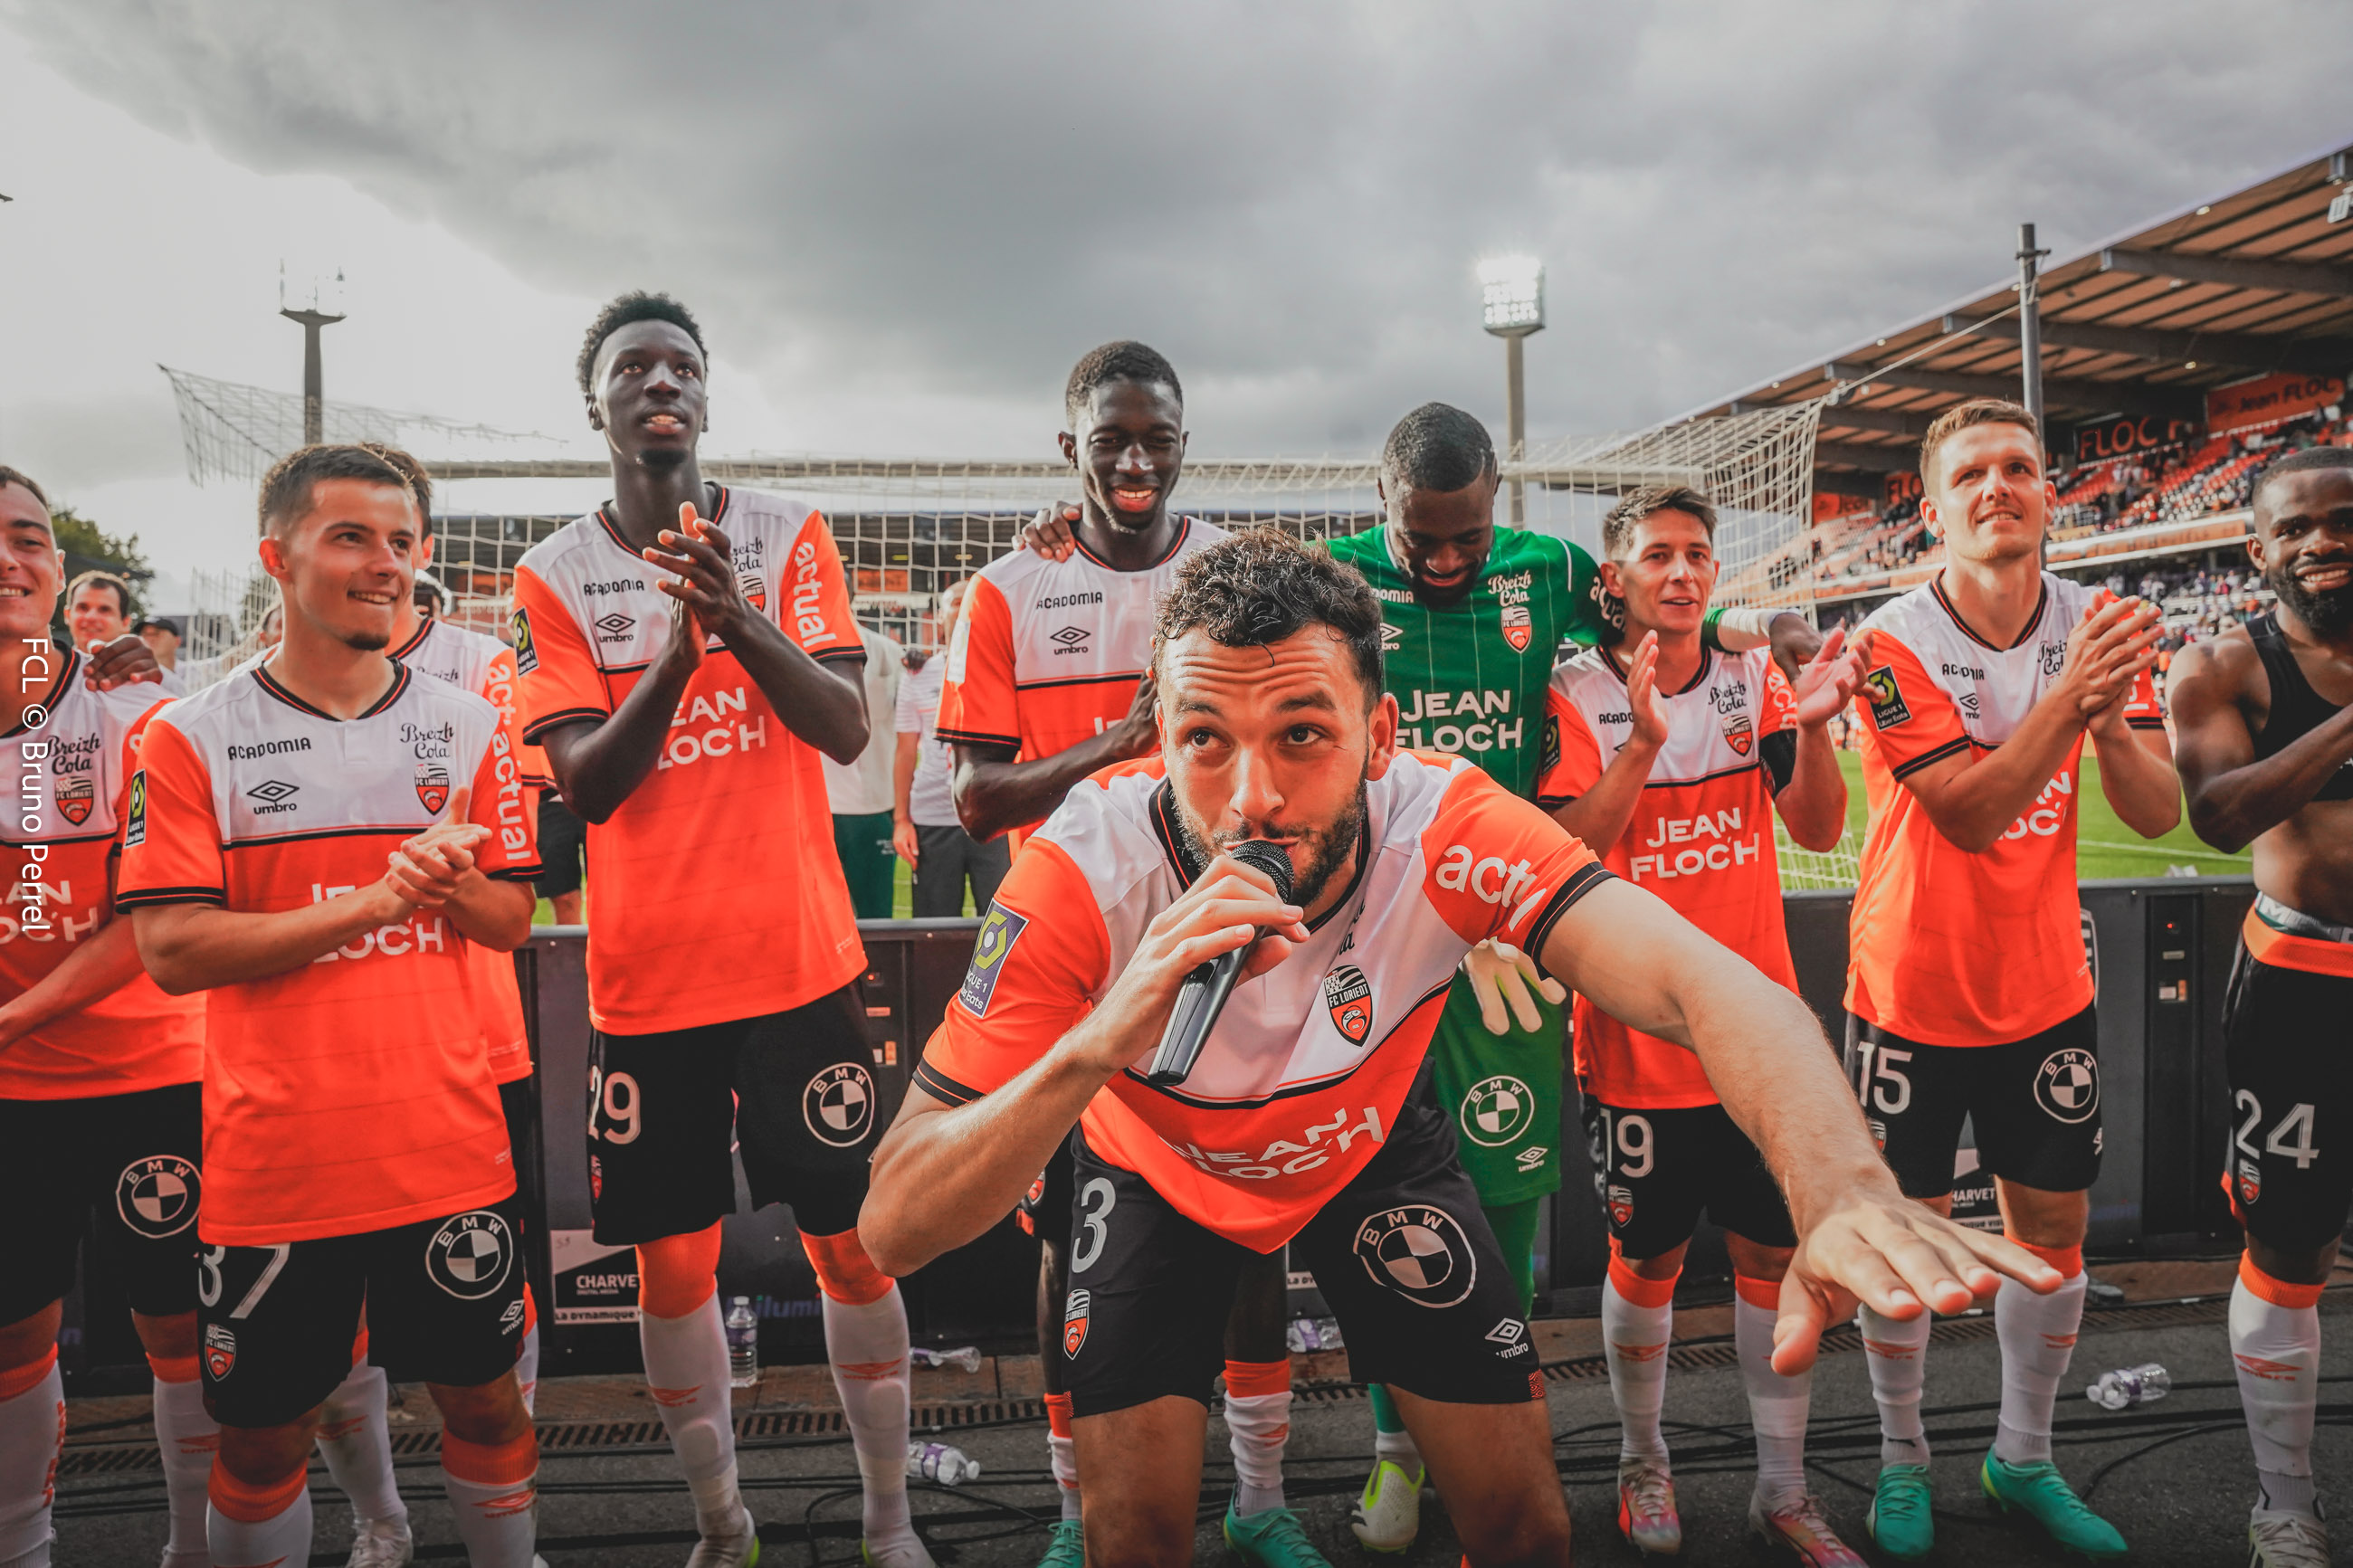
x,y
2175,1477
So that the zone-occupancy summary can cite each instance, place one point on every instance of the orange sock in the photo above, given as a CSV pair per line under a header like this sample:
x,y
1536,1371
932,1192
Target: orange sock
x,y
843,1270
247,1503
677,1274
16,1380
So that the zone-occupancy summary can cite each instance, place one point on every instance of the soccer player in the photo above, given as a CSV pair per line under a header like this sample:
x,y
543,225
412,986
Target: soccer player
x,y
1676,758
925,828
97,607
1299,1125
98,1069
354,1150
686,652
2265,718
1473,615
858,791
354,1435
1046,683
1968,995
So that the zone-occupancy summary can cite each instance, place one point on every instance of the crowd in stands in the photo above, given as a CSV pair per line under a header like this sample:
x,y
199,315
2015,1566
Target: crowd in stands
x,y
2172,485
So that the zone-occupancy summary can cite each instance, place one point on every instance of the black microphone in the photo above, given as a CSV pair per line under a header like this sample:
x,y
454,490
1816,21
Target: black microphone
x,y
1203,996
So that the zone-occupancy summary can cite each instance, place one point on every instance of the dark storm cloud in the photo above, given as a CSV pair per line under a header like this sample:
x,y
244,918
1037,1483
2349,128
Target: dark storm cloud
x,y
961,198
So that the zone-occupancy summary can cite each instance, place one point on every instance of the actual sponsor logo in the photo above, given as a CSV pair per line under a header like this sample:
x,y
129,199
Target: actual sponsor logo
x,y
1348,996
220,1350
1886,699
471,1254
75,797
2067,1084
432,786
1738,733
2251,1183
1621,1207
1418,1251
1076,1307
1516,626
839,1104
271,796
999,932
526,652
1496,1111
157,1195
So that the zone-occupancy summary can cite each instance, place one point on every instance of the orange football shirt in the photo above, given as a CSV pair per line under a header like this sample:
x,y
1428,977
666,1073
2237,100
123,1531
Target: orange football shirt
x,y
717,890
351,1094
1946,947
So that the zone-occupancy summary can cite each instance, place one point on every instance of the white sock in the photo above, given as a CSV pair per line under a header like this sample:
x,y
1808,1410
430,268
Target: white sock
x,y
496,1522
1897,1353
1399,1450
868,1347
355,1440
2038,1339
686,1365
2276,1350
188,1437
32,1435
1777,1406
1258,1428
1635,1339
527,1370
283,1538
1062,1452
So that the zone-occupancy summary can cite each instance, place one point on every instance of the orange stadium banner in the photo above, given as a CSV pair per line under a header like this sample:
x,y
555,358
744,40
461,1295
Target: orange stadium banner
x,y
2268,399
2125,435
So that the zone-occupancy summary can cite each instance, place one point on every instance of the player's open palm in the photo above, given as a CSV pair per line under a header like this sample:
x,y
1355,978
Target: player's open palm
x,y
2107,652
1898,1257
1831,676
1650,709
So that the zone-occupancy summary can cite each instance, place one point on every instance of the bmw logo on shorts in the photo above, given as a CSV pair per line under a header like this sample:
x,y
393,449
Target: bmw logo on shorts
x,y
1497,1110
1419,1252
839,1104
157,1196
2067,1084
471,1255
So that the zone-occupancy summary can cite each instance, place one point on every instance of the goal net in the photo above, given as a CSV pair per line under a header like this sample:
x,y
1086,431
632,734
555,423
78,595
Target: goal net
x,y
907,527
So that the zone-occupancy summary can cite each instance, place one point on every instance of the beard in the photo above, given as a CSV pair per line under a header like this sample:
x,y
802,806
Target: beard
x,y
367,642
1445,598
1326,850
2327,613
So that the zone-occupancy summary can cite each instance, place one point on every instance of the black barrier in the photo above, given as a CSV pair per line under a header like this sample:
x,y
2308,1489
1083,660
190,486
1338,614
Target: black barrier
x,y
2160,952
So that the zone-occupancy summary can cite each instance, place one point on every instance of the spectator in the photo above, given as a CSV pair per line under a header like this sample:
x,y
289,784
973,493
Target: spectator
x,y
859,792
925,829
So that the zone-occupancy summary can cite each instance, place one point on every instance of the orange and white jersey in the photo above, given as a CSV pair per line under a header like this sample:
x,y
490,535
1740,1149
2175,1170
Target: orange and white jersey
x,y
1305,1068
718,892
1946,947
482,664
73,765
353,1093
1702,838
1047,653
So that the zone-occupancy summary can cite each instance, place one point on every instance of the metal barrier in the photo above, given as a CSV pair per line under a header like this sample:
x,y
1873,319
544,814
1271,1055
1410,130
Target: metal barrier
x,y
2160,952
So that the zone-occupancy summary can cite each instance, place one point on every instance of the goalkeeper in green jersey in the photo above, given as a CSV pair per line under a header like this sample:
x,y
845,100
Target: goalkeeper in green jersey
x,y
1474,619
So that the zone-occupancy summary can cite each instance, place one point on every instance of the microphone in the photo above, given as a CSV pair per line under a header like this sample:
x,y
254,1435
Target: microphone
x,y
1203,996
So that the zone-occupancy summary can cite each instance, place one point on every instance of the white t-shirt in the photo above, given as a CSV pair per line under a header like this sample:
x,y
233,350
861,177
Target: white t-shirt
x,y
929,801
862,788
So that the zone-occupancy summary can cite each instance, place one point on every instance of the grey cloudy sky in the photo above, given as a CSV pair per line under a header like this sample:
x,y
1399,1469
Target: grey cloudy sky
x,y
901,222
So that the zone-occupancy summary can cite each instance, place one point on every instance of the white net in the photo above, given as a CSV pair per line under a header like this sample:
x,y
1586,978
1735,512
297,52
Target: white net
x,y
232,431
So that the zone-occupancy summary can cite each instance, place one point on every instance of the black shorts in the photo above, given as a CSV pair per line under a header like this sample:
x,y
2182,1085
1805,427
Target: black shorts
x,y
2035,1104
563,847
795,1090
1045,1208
2288,1040
1655,1171
274,1324
1403,1256
131,1162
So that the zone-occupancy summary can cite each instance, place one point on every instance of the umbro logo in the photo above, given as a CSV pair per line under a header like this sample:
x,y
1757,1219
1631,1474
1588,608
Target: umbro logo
x,y
616,625
273,796
1510,1332
1070,638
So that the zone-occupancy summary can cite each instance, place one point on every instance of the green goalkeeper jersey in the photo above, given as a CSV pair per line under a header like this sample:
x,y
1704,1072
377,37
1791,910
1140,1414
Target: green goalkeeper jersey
x,y
1469,678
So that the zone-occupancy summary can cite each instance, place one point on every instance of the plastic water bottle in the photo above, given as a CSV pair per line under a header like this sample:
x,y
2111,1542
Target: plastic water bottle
x,y
1313,1334
742,1345
939,1462
963,1358
2130,1386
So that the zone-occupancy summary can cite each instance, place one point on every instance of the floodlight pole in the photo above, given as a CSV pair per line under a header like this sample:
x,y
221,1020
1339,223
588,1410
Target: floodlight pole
x,y
314,395
1512,307
1516,419
2030,328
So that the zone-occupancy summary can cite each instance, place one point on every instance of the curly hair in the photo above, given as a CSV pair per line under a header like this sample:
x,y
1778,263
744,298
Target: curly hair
x,y
1437,448
1124,360
637,305
1262,585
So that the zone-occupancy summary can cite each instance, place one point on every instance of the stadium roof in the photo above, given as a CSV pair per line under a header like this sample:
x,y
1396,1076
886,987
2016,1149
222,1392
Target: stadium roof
x,y
2256,280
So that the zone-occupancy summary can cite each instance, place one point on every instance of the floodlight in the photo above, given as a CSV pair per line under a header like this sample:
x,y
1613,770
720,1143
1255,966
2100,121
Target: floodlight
x,y
1512,295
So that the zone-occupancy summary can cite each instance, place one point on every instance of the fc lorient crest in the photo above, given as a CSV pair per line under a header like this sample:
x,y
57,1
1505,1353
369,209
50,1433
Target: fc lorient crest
x,y
432,786
1348,996
1516,626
